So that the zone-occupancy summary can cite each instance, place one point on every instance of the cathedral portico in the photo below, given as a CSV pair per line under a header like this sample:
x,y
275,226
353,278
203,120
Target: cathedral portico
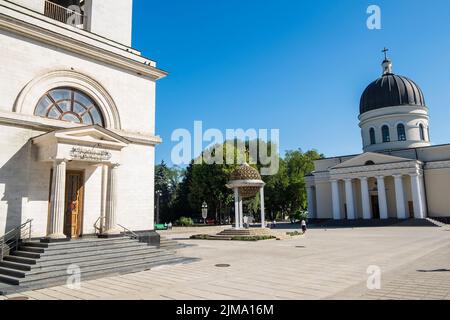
x,y
71,152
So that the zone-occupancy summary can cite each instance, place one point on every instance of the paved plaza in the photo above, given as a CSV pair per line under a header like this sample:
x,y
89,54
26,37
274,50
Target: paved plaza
x,y
325,264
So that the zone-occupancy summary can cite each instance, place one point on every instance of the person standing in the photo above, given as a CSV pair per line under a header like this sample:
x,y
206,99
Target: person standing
x,y
304,226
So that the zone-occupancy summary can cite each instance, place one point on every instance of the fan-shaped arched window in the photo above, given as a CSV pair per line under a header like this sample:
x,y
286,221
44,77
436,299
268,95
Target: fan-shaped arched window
x,y
386,134
372,136
401,132
422,132
70,105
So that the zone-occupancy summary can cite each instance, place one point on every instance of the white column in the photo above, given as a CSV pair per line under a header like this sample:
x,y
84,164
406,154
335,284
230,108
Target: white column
x,y
349,199
111,227
400,197
365,198
236,208
423,193
382,202
310,198
57,201
336,200
241,213
103,197
263,213
416,189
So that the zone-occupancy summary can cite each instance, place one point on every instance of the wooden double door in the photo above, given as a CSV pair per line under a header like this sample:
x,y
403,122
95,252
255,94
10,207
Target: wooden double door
x,y
73,204
73,217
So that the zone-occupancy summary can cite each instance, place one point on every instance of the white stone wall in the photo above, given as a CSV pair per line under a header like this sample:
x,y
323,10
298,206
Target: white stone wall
x,y
110,19
133,95
35,5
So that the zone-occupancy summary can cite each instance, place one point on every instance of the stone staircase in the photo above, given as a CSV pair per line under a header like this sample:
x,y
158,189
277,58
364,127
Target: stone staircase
x,y
170,244
245,232
38,265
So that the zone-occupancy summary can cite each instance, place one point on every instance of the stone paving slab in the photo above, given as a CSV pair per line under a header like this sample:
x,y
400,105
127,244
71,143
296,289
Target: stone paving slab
x,y
325,264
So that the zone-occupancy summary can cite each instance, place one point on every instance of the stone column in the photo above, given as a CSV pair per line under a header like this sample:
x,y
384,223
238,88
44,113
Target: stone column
x,y
103,198
365,198
416,189
382,201
400,197
57,201
236,208
263,213
311,202
349,199
336,200
111,227
241,213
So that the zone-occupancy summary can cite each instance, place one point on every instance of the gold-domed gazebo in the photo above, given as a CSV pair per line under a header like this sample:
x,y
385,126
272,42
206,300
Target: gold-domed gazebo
x,y
246,182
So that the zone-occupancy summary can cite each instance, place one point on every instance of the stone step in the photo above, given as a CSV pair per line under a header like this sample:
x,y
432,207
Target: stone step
x,y
20,260
84,258
39,284
31,249
35,244
89,240
15,265
25,254
80,243
103,269
9,280
93,253
96,262
75,250
12,272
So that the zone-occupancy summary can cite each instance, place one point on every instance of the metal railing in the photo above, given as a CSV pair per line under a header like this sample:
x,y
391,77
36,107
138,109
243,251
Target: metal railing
x,y
73,17
10,240
99,228
129,233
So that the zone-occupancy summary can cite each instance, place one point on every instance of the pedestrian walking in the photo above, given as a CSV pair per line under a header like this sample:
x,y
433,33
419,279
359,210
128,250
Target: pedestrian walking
x,y
304,226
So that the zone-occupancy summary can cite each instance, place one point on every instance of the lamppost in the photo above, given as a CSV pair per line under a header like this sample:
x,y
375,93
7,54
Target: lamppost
x,y
204,211
158,195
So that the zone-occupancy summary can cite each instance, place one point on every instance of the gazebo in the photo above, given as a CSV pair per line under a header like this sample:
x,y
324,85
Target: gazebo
x,y
246,182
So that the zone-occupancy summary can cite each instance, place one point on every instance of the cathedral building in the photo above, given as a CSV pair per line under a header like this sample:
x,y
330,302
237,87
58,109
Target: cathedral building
x,y
399,175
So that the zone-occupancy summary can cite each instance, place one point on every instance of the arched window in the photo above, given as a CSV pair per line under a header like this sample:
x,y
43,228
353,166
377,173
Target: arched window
x,y
372,136
386,134
369,163
69,105
401,132
422,132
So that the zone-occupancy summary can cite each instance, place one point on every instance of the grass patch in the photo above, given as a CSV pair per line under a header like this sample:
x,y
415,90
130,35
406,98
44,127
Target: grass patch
x,y
252,238
234,238
294,234
199,237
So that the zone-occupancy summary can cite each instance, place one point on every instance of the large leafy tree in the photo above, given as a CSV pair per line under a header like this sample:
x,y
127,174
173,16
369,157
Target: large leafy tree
x,y
285,191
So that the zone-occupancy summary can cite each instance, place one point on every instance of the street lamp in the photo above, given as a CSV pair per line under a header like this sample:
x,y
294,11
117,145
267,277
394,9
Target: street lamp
x,y
204,211
158,195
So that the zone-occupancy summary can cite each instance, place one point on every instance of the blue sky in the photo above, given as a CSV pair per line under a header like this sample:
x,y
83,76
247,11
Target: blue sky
x,y
297,66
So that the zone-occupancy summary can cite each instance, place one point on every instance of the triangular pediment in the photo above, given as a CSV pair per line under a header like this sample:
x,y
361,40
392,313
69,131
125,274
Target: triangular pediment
x,y
370,158
90,135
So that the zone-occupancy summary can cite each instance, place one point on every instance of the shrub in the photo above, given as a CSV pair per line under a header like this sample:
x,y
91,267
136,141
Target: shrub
x,y
185,222
300,215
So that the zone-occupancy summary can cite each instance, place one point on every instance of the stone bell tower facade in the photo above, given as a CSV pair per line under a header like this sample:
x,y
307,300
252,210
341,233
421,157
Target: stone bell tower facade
x,y
77,119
